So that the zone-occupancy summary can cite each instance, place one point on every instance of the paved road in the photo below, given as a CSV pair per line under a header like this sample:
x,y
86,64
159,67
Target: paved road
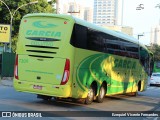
x,y
11,100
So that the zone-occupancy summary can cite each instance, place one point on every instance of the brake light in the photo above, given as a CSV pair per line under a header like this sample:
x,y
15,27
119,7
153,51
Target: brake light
x,y
66,72
16,68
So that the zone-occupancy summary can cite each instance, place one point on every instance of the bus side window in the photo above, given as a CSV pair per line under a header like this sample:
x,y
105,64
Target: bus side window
x,y
111,44
132,50
79,36
144,59
114,46
94,40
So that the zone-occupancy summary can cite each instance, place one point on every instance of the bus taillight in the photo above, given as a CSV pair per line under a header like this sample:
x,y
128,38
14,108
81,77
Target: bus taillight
x,y
66,72
16,68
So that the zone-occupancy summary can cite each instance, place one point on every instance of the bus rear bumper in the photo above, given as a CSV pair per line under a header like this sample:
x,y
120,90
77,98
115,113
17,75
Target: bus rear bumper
x,y
42,89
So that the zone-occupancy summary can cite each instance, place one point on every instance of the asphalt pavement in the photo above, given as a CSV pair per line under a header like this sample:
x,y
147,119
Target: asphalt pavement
x,y
6,81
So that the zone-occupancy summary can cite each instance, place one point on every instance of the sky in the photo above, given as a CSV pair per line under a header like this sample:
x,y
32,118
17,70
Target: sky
x,y
140,20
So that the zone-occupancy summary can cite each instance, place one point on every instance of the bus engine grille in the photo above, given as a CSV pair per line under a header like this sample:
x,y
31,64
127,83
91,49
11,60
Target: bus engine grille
x,y
41,51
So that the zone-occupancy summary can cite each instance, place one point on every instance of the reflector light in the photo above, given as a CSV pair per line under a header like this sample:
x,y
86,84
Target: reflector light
x,y
16,68
66,72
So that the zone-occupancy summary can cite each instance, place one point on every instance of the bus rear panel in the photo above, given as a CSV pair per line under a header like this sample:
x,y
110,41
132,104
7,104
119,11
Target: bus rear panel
x,y
43,64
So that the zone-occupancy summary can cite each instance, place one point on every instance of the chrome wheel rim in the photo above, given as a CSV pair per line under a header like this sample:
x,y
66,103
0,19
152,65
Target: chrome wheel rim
x,y
102,92
90,95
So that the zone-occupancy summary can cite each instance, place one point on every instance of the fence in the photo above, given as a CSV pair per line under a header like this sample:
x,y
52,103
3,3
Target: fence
x,y
7,64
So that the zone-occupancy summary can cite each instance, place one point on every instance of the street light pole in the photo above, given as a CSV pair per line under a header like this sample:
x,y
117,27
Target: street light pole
x,y
12,15
139,36
7,7
10,23
21,7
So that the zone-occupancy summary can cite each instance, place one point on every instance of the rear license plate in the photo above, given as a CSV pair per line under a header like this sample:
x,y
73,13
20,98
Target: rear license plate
x,y
38,87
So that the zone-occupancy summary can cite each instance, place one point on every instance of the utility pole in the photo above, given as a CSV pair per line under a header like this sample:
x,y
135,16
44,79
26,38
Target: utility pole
x,y
158,6
72,10
122,12
57,6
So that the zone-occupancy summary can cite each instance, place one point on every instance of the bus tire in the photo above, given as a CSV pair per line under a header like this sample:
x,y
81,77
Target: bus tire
x,y
101,94
139,86
56,98
90,97
133,94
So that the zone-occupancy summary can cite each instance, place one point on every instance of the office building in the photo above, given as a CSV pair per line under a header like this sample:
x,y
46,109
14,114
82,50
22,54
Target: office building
x,y
155,35
108,12
124,29
88,14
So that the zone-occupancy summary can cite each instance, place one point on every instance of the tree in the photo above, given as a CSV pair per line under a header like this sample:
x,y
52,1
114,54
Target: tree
x,y
155,49
42,6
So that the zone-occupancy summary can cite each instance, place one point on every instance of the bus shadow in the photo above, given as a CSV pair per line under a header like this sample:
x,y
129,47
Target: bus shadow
x,y
68,103
79,105
138,100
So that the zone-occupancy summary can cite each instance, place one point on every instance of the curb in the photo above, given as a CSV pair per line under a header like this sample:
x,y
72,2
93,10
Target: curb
x,y
4,84
7,81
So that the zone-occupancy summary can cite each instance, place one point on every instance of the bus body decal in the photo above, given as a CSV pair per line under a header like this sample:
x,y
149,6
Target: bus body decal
x,y
92,65
43,24
78,79
88,63
101,65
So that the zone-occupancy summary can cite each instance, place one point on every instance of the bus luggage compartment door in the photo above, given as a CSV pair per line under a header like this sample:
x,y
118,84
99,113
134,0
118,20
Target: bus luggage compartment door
x,y
41,70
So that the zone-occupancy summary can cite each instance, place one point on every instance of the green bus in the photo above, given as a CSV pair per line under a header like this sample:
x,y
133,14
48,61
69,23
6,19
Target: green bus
x,y
156,66
62,56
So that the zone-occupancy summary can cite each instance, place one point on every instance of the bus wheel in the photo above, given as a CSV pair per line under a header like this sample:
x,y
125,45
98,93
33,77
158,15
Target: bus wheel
x,y
90,96
101,94
132,94
135,93
56,98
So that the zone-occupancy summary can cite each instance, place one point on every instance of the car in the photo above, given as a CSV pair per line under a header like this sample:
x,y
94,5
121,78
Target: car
x,y
155,79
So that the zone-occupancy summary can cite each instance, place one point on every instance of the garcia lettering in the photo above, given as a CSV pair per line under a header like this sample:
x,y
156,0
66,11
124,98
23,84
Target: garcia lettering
x,y
43,33
119,63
